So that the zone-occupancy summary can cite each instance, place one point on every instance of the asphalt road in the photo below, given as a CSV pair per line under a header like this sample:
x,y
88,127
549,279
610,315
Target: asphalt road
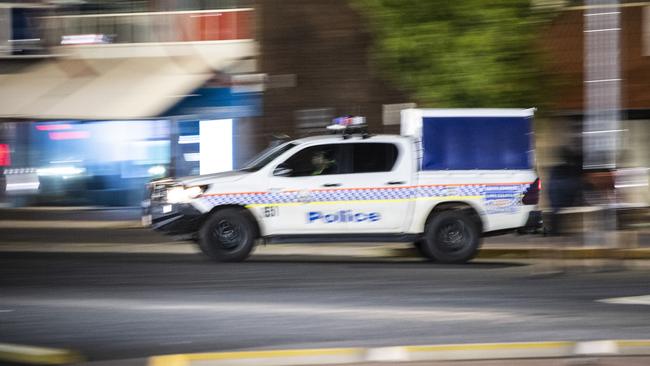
x,y
44,213
115,306
81,236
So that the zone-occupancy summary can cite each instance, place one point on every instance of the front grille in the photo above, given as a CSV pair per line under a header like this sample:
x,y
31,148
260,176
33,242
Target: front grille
x,y
158,193
158,190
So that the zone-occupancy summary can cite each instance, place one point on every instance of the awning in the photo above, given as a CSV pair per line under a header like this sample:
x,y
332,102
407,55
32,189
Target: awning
x,y
103,88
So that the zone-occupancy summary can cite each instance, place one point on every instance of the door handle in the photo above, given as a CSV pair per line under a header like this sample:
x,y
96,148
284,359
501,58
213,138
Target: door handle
x,y
395,182
332,185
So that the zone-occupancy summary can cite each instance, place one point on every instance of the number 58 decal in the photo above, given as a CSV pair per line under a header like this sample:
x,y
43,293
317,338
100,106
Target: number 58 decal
x,y
271,211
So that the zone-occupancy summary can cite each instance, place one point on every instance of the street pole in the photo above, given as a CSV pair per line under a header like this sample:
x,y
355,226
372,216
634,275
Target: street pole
x,y
602,99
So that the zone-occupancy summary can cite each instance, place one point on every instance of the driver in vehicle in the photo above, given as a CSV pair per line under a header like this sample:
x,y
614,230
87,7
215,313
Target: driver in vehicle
x,y
322,165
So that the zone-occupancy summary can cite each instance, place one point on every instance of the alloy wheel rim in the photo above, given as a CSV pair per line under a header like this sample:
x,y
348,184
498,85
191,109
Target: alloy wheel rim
x,y
453,236
228,234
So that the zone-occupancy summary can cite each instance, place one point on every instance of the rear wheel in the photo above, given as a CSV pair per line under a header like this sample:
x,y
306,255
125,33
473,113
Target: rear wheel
x,y
228,235
451,237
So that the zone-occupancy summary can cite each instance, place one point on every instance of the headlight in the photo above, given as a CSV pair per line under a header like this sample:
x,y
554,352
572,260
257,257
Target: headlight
x,y
180,194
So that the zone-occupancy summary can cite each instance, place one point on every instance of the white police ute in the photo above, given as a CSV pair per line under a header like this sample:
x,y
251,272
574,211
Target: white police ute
x,y
450,178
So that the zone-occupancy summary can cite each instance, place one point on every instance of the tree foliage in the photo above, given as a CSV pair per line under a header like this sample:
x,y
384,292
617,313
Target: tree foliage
x,y
466,53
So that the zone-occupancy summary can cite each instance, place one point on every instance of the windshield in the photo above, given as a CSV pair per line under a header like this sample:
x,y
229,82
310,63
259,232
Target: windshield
x,y
266,156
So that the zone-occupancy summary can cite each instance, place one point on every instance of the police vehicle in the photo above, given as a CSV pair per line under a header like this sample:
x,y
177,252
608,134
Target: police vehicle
x,y
451,177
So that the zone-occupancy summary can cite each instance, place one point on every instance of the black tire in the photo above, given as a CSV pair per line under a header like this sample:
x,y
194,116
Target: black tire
x,y
451,237
228,235
418,245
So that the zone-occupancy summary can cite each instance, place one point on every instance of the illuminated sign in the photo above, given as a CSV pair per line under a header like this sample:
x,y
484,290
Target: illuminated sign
x,y
5,157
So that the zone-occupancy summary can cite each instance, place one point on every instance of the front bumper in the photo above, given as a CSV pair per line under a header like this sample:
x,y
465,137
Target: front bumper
x,y
171,219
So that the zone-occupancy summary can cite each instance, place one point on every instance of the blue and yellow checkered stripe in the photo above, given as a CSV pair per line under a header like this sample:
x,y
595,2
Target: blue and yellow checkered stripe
x,y
324,196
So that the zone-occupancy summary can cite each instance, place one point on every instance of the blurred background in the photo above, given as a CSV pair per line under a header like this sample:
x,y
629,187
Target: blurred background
x,y
99,97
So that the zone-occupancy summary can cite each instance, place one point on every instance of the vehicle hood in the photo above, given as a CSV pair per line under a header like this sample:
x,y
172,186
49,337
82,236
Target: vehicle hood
x,y
197,180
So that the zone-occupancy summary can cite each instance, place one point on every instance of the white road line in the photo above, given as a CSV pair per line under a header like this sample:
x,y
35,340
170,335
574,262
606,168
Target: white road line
x,y
6,310
426,314
630,300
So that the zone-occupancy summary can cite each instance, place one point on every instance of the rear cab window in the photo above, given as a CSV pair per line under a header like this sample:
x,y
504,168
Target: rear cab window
x,y
373,157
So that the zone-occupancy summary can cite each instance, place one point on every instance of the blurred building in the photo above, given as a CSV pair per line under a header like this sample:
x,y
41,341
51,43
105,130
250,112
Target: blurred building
x,y
316,55
123,91
113,93
99,96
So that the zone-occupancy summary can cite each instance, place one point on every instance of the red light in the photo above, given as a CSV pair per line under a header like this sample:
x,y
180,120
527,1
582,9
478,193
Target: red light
x,y
5,157
53,127
539,184
71,135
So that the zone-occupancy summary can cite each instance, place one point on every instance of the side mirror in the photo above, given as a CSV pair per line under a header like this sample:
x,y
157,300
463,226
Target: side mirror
x,y
282,170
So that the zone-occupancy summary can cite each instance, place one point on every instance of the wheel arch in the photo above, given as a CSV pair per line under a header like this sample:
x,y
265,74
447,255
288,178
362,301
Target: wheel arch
x,y
466,207
245,211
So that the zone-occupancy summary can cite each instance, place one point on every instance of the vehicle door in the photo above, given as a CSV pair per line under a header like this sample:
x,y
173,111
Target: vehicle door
x,y
381,189
309,187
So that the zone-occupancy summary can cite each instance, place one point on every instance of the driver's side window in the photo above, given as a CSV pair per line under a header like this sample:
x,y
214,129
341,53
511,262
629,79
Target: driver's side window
x,y
315,160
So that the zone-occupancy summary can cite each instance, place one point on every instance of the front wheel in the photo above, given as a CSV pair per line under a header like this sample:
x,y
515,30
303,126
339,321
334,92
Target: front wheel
x,y
419,248
228,236
451,237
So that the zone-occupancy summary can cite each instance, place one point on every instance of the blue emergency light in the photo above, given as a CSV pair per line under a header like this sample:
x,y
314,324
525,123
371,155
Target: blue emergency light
x,y
341,123
349,125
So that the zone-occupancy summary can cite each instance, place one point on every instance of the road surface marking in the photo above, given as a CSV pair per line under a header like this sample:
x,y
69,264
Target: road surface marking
x,y
271,357
358,312
630,300
442,352
489,346
19,353
596,348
